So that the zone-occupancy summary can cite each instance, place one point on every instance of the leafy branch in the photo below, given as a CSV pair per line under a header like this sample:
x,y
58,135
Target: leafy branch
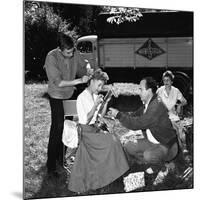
x,y
123,14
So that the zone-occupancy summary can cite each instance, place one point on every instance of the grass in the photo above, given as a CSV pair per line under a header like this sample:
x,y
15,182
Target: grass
x,y
36,130
36,133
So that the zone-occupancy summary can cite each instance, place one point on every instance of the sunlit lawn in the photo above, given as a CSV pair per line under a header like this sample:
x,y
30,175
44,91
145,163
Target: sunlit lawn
x,y
36,133
36,130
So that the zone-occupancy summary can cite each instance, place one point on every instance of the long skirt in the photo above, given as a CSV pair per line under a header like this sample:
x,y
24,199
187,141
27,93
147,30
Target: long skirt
x,y
99,161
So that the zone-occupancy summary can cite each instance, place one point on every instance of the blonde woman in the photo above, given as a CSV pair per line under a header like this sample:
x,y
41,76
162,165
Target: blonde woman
x,y
174,101
171,96
100,158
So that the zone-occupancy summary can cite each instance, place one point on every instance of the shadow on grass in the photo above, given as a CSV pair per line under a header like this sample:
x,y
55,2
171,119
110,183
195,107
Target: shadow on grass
x,y
52,187
58,187
45,95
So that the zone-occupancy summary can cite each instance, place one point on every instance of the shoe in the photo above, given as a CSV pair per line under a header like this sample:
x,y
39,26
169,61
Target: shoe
x,y
160,177
170,166
149,170
149,177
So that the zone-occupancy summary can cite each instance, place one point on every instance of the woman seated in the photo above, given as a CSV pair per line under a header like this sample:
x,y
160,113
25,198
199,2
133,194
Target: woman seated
x,y
100,158
174,101
171,96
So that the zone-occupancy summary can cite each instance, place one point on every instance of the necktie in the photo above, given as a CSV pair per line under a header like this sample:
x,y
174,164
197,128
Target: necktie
x,y
144,130
145,108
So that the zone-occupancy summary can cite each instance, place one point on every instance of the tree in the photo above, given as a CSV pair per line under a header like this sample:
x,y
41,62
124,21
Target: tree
x,y
41,28
81,16
122,14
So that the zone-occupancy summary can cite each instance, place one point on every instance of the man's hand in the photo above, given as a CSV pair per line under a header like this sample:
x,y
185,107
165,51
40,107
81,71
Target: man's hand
x,y
85,79
112,112
90,71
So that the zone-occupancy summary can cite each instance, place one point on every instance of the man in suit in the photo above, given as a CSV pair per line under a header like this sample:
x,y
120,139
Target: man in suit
x,y
160,141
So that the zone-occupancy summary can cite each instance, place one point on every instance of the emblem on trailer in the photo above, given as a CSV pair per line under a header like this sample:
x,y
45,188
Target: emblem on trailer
x,y
150,50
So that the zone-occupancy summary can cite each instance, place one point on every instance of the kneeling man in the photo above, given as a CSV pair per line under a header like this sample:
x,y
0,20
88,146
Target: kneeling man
x,y
160,141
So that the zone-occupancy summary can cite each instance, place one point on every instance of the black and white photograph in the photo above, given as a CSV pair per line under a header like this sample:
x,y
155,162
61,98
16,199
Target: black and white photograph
x,y
108,100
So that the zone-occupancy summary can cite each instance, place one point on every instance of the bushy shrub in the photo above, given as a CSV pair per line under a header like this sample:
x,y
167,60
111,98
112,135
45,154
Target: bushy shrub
x,y
41,28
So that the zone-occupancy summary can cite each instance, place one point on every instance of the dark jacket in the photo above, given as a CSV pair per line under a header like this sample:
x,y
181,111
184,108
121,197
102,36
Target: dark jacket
x,y
155,119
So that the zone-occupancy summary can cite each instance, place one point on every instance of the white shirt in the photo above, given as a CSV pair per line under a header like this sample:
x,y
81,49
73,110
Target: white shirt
x,y
170,100
84,104
151,138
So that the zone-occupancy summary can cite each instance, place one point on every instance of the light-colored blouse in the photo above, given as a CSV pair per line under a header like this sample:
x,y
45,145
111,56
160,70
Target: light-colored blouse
x,y
171,100
84,104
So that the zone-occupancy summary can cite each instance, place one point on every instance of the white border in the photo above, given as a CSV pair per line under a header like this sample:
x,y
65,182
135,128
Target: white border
x,y
11,100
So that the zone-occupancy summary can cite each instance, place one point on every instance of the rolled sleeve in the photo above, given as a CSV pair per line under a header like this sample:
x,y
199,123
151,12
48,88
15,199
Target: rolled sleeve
x,y
53,74
181,97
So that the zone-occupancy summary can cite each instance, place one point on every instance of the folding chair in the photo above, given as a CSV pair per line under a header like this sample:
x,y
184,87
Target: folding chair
x,y
70,108
69,111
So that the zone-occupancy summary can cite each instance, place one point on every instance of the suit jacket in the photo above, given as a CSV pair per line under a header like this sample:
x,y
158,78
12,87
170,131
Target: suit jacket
x,y
155,119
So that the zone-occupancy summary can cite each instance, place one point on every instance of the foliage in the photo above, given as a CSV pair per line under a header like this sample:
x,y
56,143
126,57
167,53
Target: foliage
x,y
125,14
41,28
42,21
81,16
122,14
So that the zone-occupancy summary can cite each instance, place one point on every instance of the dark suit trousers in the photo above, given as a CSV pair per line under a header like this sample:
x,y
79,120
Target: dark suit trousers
x,y
146,152
55,146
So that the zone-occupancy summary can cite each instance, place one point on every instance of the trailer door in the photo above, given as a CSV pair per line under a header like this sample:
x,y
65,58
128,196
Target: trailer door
x,y
116,53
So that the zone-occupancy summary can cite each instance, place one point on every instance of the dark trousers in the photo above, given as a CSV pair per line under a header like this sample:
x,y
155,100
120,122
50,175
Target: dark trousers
x,y
146,151
55,146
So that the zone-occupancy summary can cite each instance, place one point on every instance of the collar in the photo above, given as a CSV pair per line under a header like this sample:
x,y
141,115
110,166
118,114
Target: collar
x,y
150,100
59,54
146,105
170,91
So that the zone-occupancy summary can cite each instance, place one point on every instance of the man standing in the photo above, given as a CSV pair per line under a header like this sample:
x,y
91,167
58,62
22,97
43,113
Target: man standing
x,y
62,65
160,141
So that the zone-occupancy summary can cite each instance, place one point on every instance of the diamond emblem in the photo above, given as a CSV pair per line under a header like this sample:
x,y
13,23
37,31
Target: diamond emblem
x,y
150,50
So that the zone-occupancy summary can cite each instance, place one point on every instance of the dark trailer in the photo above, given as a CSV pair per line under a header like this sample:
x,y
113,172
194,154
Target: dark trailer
x,y
152,24
147,47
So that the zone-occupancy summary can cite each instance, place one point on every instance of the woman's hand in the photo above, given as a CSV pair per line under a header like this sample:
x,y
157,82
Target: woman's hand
x,y
159,99
179,109
99,100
